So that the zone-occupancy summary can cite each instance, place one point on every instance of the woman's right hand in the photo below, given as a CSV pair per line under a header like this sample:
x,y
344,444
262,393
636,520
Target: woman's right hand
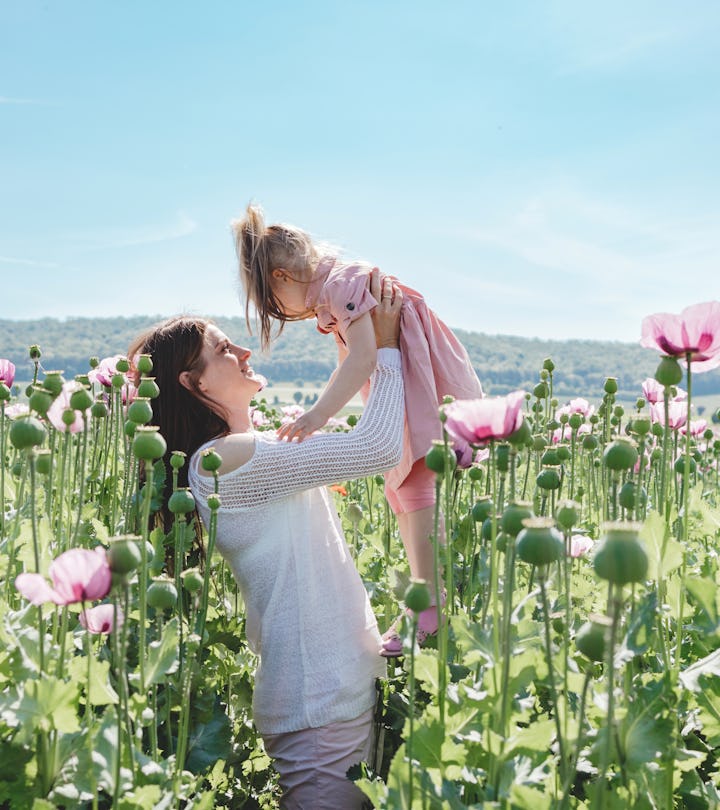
x,y
386,315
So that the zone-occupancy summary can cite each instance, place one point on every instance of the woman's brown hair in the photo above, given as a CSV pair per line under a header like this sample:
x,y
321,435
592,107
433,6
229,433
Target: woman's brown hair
x,y
186,418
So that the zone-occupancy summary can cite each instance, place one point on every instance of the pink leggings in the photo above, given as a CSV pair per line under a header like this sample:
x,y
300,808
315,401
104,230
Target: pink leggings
x,y
417,491
312,764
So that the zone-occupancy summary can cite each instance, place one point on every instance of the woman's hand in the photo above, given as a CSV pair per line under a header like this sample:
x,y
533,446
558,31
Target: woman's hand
x,y
386,315
302,427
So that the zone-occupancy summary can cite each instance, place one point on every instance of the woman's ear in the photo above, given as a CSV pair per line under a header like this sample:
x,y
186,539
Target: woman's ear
x,y
281,274
185,380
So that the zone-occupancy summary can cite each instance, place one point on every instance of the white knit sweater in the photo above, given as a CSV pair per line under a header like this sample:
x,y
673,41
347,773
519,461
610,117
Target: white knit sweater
x,y
308,616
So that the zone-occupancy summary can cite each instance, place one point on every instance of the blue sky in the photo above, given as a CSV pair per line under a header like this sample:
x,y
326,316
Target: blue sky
x,y
547,169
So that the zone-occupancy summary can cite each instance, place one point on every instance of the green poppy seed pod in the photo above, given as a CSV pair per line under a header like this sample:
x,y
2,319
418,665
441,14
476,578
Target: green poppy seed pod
x,y
17,468
668,371
181,501
655,455
122,365
83,379
620,556
563,452
140,411
436,457
628,493
177,459
40,400
43,461
620,454
123,554
548,479
130,428
4,392
553,424
611,385
539,542
162,594
34,351
640,403
81,399
53,382
511,521
591,639
541,390
213,502
575,420
210,460
521,436
619,411
352,420
539,442
475,473
564,418
192,580
144,364
148,388
117,380
68,416
502,457
379,480
94,362
567,514
580,492
148,444
657,430
354,513
614,421
550,457
594,419
486,529
482,509
679,465
417,595
641,425
26,433
544,374
99,409
537,407
548,365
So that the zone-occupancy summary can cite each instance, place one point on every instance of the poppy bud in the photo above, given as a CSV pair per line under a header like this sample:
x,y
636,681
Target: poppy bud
x,y
53,382
417,596
26,433
177,459
668,371
148,444
81,399
539,543
210,460
148,388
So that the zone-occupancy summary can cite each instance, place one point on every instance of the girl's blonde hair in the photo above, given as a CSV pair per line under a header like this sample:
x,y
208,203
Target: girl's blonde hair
x,y
261,249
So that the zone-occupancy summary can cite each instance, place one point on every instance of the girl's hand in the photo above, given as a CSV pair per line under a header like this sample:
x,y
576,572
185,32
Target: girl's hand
x,y
302,427
386,315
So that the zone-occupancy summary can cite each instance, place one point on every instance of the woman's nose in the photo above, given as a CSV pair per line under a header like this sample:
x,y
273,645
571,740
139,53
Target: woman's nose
x,y
242,352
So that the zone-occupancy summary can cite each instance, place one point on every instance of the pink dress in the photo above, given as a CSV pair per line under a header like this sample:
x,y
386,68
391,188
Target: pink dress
x,y
434,362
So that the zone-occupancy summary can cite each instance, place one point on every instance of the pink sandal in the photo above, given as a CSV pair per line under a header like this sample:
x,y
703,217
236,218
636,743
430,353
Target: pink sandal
x,y
427,626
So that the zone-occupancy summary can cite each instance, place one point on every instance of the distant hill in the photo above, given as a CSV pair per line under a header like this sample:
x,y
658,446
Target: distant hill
x,y
503,362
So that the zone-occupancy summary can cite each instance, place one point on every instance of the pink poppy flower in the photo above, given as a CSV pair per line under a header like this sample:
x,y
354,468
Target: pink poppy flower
x,y
7,372
463,453
259,418
77,575
478,421
695,331
564,432
580,544
60,404
654,392
17,409
577,405
99,619
105,370
697,427
677,413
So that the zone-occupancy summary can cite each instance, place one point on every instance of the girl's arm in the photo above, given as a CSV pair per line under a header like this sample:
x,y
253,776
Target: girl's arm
x,y
346,381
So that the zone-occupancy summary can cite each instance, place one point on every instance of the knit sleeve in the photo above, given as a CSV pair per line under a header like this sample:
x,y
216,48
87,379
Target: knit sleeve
x,y
278,469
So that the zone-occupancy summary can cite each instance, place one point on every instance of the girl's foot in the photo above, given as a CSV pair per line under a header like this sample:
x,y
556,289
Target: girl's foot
x,y
427,625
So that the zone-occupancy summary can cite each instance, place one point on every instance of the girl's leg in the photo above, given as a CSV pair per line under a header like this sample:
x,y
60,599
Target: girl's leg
x,y
416,531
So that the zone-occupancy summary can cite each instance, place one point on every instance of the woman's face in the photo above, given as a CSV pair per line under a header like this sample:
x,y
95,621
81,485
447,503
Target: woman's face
x,y
226,370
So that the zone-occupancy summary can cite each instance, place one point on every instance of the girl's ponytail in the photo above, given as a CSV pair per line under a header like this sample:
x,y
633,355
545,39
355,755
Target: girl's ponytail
x,y
260,250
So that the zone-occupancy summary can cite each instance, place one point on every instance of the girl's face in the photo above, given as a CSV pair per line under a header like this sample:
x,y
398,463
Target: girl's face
x,y
226,370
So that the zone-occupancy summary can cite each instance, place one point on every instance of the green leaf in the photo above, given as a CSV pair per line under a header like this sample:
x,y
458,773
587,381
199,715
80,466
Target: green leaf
x,y
703,592
665,554
209,741
50,704
710,665
163,655
101,691
426,668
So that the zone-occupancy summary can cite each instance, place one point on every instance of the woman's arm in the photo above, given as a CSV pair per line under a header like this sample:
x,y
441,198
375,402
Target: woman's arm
x,y
277,469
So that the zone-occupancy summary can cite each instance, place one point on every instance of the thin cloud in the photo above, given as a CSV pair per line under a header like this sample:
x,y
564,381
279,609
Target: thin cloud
x,y
25,262
108,238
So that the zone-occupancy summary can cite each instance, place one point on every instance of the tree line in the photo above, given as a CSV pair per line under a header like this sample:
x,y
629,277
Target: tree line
x,y
503,362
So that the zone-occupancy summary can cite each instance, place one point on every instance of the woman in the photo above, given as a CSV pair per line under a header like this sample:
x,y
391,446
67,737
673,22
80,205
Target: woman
x,y
309,619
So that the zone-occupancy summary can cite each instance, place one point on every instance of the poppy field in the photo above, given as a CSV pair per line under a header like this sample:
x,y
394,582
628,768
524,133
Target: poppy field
x,y
577,663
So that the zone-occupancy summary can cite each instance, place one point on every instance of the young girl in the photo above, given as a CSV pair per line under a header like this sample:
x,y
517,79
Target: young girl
x,y
286,276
